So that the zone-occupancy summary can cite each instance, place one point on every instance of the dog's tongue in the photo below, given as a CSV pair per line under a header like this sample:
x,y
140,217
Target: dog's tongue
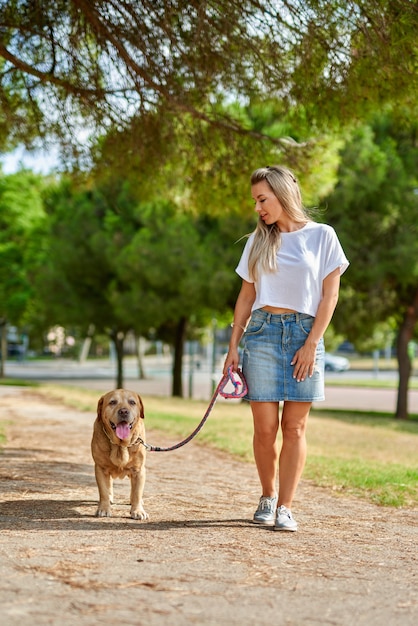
x,y
122,430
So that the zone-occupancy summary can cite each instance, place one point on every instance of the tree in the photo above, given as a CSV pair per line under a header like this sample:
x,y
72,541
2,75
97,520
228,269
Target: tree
x,y
110,63
21,215
374,208
78,275
185,265
122,265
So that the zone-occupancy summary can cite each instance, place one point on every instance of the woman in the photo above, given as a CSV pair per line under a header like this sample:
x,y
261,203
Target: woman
x,y
290,270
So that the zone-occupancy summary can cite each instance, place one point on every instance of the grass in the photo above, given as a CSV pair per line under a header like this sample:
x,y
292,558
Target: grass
x,y
18,382
368,363
371,456
385,484
374,383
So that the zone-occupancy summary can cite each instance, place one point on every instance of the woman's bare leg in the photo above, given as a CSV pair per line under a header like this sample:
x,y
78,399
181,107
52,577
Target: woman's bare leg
x,y
293,453
266,454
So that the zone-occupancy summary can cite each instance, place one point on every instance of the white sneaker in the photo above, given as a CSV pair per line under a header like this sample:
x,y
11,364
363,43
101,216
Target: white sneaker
x,y
284,520
266,511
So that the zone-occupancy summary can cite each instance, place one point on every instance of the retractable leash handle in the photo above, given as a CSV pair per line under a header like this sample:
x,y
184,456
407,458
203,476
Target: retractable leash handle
x,y
237,379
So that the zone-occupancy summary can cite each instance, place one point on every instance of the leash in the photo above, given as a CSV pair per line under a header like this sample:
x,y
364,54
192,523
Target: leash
x,y
237,379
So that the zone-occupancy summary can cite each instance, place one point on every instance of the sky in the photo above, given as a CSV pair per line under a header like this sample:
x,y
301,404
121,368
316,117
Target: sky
x,y
39,161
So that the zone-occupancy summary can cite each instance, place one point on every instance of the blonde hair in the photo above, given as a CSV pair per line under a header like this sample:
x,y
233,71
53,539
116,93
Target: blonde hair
x,y
267,238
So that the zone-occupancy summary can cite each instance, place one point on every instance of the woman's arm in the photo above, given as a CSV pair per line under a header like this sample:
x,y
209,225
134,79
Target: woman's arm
x,y
242,314
304,359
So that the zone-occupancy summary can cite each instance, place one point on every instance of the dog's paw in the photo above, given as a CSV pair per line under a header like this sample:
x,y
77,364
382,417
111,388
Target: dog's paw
x,y
139,514
103,512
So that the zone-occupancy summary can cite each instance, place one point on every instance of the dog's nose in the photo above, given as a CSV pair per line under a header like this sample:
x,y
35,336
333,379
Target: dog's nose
x,y
123,412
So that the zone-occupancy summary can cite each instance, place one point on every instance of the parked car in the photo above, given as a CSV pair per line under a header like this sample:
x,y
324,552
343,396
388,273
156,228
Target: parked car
x,y
334,363
346,346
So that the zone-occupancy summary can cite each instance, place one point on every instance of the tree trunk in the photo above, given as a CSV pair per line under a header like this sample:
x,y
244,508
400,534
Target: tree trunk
x,y
118,338
3,345
85,349
405,334
177,389
141,370
404,368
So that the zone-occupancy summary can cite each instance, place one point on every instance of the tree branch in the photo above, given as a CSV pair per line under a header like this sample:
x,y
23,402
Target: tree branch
x,y
47,77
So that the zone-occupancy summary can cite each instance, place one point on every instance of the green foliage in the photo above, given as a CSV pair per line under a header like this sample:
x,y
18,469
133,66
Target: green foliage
x,y
332,339
108,63
374,208
21,217
206,170
76,275
383,335
117,263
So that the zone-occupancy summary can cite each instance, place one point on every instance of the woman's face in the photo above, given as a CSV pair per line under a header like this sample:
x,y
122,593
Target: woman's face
x,y
267,205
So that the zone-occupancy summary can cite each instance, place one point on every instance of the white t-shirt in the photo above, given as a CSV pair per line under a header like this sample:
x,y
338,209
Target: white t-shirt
x,y
305,257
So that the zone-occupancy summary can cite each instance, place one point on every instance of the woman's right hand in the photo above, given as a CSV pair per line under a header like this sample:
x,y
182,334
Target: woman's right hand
x,y
231,360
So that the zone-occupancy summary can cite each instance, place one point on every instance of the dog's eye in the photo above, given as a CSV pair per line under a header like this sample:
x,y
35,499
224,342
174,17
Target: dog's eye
x,y
132,402
113,401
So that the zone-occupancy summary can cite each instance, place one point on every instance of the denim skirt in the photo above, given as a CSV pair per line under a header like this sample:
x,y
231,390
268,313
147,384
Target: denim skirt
x,y
269,345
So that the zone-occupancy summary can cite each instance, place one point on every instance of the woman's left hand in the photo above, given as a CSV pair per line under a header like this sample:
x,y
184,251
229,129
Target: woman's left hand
x,y
304,362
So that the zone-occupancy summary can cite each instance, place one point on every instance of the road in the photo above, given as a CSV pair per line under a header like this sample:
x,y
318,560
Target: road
x,y
199,384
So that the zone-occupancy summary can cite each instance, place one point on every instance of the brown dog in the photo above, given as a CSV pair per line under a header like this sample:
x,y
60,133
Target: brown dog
x,y
117,450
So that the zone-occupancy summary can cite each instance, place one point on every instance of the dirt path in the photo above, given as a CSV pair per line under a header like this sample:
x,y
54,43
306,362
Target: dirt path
x,y
198,560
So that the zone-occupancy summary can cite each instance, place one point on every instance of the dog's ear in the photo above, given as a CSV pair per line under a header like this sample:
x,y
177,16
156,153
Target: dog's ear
x,y
100,408
141,407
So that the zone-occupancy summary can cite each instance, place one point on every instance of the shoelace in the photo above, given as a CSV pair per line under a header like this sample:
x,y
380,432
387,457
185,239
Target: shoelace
x,y
265,503
284,511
